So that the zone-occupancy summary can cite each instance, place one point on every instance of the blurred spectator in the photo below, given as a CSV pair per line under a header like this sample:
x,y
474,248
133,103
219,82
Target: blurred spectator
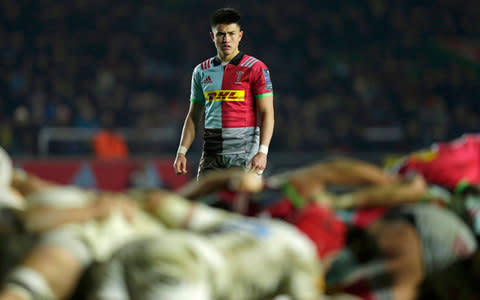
x,y
108,143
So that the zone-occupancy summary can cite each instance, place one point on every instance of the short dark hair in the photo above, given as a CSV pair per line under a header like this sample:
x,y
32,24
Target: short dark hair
x,y
226,15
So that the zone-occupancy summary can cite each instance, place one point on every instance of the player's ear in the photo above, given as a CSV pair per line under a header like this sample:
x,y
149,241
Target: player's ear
x,y
240,34
212,36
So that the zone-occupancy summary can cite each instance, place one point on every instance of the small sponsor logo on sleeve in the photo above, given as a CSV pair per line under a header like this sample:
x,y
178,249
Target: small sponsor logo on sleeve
x,y
268,81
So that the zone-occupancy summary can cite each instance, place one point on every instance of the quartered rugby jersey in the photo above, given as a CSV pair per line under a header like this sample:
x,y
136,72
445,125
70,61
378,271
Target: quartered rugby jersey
x,y
447,164
229,93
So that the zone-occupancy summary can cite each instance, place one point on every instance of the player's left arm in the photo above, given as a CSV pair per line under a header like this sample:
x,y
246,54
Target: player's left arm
x,y
267,122
411,191
262,90
354,172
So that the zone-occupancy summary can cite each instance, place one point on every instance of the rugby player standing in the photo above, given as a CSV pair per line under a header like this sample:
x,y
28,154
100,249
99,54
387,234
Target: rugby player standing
x,y
233,91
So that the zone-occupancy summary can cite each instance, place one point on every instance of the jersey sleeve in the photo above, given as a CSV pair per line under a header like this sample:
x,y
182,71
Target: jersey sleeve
x,y
261,81
196,92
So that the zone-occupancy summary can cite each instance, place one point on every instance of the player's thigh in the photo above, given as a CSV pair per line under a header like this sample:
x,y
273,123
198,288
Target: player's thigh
x,y
239,160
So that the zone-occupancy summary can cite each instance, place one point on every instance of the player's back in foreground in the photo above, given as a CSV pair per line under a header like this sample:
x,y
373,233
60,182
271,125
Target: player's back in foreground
x,y
241,259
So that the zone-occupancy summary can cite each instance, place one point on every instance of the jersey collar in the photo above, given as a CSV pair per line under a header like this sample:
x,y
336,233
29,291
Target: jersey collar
x,y
235,61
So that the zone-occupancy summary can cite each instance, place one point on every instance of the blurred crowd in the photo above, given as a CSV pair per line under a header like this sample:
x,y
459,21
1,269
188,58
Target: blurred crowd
x,y
348,75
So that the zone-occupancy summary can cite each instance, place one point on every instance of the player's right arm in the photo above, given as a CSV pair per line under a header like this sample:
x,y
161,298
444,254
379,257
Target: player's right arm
x,y
188,135
189,130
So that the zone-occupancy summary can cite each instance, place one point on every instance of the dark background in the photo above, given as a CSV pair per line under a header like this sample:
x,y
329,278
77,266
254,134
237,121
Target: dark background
x,y
349,76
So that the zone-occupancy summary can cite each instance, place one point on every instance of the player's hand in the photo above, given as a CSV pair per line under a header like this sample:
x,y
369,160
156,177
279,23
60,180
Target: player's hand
x,y
258,163
180,164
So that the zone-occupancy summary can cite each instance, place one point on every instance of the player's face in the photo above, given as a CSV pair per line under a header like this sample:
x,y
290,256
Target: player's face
x,y
226,38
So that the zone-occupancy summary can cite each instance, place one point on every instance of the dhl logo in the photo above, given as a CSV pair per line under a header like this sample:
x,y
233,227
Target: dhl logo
x,y
225,95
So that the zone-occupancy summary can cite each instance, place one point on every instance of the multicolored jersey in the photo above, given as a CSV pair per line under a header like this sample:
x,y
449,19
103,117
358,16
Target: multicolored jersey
x,y
229,93
447,164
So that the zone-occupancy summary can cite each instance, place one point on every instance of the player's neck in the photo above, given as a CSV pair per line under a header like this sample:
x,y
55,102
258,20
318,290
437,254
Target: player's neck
x,y
228,58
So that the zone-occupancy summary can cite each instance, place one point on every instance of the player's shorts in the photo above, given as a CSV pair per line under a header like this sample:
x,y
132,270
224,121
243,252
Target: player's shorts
x,y
210,162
